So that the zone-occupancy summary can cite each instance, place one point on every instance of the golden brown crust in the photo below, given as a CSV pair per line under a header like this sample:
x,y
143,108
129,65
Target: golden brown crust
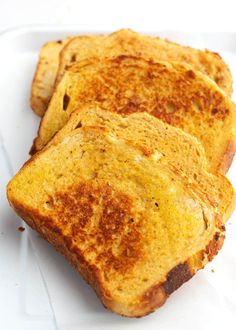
x,y
228,157
38,103
215,245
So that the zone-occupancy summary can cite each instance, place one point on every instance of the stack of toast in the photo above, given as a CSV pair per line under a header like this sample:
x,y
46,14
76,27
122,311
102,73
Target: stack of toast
x,y
127,174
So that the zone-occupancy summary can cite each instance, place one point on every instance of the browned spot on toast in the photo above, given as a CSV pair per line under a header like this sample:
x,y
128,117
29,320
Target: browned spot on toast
x,y
99,216
176,277
121,58
66,100
33,148
73,58
73,215
157,294
191,74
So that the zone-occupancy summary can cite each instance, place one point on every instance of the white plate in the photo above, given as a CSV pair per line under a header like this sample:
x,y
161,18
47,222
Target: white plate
x,y
38,288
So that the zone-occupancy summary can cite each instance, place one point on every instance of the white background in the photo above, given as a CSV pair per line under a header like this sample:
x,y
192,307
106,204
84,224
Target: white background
x,y
197,15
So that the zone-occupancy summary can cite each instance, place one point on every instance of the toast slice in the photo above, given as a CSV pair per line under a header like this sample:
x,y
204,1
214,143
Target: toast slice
x,y
182,150
128,42
45,75
122,42
172,92
132,224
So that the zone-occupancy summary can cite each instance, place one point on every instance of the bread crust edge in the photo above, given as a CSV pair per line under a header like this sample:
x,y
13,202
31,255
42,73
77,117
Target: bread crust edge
x,y
227,157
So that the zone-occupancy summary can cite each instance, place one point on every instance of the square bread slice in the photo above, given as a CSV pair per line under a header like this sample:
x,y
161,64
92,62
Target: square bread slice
x,y
183,151
173,92
128,42
122,42
133,224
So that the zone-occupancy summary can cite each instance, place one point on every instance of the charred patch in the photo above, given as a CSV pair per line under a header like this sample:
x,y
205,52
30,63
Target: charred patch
x,y
79,125
73,58
220,113
157,294
176,277
190,74
214,111
66,101
215,245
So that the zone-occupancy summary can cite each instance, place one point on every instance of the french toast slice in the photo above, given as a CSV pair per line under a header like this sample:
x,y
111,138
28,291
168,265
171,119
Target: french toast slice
x,y
173,92
128,42
182,150
45,75
133,226
125,41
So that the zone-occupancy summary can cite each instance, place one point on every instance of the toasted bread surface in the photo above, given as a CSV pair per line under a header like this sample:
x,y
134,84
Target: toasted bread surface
x,y
134,227
45,75
172,92
182,150
124,41
128,42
